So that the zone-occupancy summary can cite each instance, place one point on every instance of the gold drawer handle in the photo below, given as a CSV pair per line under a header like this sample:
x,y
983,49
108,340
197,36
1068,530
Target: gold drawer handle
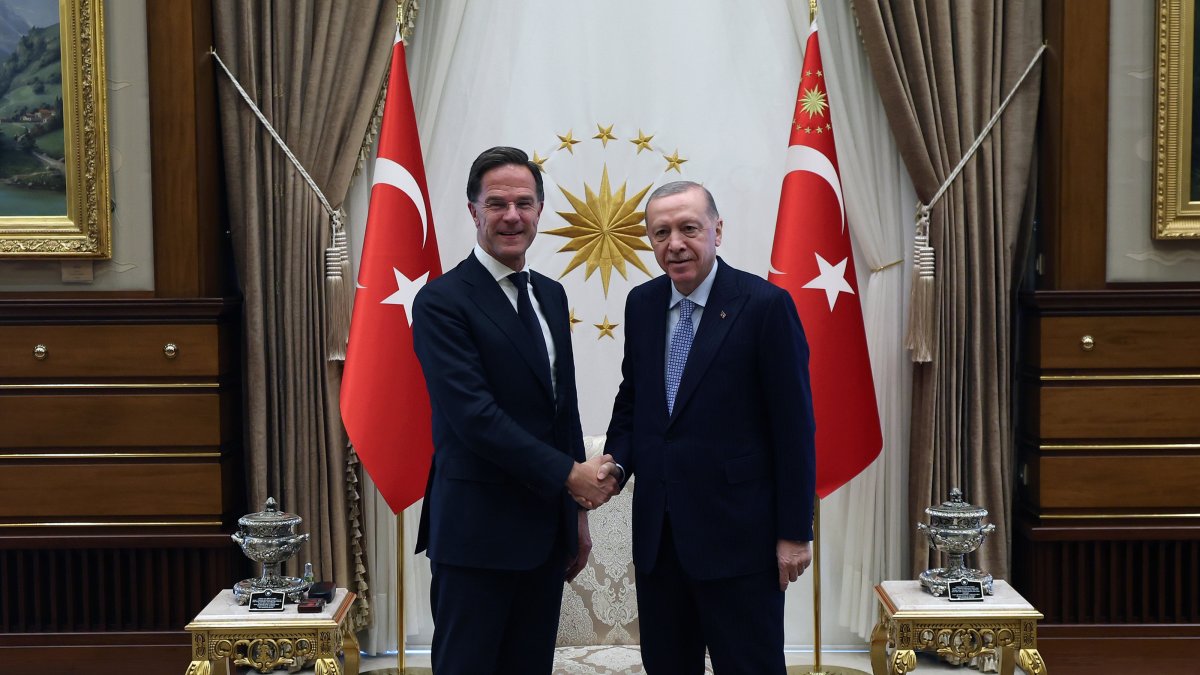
x,y
170,350
40,352
1086,343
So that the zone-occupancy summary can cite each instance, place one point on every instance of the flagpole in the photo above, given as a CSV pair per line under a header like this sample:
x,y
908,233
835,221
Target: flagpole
x,y
816,668
401,633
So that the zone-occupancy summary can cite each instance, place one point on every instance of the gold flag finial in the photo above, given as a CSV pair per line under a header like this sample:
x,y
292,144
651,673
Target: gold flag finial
x,y
406,18
812,10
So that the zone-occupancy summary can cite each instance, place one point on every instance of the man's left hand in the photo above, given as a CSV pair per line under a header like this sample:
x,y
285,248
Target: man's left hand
x,y
576,564
793,558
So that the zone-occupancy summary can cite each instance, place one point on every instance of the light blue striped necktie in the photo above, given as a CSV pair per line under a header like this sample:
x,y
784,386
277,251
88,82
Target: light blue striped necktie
x,y
681,344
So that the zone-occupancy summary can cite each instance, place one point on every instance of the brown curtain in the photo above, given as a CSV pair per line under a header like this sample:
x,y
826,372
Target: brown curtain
x,y
943,67
314,67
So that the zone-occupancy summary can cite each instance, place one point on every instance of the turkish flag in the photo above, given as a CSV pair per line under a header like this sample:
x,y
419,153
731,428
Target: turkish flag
x,y
811,259
384,403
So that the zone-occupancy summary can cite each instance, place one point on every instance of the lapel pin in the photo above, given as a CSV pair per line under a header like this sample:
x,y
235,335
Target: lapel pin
x,y
722,314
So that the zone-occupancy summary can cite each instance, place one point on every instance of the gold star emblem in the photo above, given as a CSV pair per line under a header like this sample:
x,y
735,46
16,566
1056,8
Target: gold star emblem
x,y
568,142
606,328
540,161
813,102
674,161
572,319
605,134
605,230
642,142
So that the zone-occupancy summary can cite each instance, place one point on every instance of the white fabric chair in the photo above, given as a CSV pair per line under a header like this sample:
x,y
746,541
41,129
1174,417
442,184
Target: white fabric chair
x,y
598,630
598,627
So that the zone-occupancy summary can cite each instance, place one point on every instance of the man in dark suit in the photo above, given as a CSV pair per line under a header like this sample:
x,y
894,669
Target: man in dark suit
x,y
502,520
714,416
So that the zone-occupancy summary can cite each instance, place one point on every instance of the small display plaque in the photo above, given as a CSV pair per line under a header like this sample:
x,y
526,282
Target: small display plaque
x,y
964,590
267,601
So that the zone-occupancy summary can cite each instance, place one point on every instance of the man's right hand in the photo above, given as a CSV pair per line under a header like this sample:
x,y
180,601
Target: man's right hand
x,y
589,486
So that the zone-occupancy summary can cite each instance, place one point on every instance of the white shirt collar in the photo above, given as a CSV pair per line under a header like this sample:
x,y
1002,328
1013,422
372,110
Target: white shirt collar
x,y
700,295
497,269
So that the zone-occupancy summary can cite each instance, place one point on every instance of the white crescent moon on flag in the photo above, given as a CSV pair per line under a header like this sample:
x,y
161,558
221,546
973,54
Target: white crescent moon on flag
x,y
391,173
805,158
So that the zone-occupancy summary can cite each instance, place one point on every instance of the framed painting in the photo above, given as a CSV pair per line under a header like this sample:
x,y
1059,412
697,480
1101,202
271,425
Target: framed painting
x,y
54,180
1177,149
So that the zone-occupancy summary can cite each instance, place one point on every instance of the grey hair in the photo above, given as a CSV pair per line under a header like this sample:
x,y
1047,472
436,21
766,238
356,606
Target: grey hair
x,y
681,186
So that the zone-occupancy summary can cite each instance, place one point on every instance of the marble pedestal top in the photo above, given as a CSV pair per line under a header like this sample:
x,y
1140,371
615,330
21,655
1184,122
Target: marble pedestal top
x,y
909,597
225,608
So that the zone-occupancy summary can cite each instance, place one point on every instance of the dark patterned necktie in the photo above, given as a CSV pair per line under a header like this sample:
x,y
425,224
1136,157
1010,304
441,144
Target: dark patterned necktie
x,y
681,344
529,317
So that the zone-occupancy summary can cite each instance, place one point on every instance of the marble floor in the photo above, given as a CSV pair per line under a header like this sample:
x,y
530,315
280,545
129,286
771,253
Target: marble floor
x,y
830,663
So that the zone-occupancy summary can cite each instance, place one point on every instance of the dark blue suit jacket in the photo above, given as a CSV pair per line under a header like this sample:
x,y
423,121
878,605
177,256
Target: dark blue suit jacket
x,y
503,443
734,464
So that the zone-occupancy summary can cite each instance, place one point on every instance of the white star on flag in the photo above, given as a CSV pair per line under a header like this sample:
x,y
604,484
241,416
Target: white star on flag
x,y
406,291
832,279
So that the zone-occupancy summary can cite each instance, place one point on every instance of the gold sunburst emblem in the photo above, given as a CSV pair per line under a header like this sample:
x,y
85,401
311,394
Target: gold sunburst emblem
x,y
605,230
813,102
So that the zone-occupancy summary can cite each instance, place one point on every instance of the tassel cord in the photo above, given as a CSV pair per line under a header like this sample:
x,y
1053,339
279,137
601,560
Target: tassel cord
x,y
922,308
337,255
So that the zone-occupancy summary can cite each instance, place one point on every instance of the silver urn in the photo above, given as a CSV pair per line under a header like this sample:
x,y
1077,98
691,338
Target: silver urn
x,y
955,528
269,537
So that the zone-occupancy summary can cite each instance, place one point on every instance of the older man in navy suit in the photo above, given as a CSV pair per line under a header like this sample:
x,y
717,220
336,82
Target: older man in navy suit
x,y
714,416
502,522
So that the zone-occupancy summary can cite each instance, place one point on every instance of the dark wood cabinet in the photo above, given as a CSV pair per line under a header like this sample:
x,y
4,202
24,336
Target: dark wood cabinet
x,y
120,453
1107,536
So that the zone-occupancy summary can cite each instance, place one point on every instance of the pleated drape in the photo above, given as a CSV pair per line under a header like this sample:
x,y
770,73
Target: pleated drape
x,y
943,68
314,67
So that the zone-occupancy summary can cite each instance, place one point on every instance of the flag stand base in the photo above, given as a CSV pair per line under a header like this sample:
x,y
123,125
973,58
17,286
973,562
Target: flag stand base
x,y
825,670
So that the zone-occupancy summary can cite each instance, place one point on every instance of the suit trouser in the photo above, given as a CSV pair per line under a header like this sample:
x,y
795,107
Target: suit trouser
x,y
496,621
739,619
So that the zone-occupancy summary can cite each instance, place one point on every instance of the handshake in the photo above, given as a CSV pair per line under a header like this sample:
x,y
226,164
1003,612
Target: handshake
x,y
593,482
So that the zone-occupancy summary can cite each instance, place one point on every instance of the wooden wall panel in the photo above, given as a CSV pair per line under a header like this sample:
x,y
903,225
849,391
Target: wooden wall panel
x,y
145,490
1116,483
185,150
111,419
109,351
1119,411
1073,150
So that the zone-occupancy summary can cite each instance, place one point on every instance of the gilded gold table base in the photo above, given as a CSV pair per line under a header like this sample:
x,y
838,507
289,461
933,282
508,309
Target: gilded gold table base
x,y
266,644
955,633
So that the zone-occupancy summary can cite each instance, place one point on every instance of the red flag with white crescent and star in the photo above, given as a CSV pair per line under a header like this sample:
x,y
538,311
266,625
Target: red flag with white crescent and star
x,y
811,259
384,403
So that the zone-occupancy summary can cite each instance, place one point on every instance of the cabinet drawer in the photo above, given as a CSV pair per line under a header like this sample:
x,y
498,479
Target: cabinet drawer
x,y
1138,482
121,420
1118,411
109,351
1120,342
78,490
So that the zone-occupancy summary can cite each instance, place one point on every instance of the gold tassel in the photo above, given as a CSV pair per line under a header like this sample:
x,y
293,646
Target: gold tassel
x,y
919,338
337,291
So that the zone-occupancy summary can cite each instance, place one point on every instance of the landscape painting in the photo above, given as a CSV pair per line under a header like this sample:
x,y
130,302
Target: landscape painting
x,y
32,170
54,157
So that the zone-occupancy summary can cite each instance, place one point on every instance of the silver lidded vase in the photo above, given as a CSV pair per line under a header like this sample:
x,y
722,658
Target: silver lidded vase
x,y
269,537
955,528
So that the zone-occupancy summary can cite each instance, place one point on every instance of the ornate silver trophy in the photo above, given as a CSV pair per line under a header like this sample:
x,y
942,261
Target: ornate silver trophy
x,y
955,528
269,537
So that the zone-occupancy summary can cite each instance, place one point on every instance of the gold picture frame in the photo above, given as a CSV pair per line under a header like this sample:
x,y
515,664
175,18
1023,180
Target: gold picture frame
x,y
1176,161
85,229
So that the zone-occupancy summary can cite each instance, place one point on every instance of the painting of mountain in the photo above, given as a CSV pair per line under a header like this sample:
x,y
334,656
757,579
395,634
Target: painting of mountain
x,y
32,153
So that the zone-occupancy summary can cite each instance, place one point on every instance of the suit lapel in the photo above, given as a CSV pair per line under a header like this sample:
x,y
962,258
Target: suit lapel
x,y
657,317
560,330
724,306
491,301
